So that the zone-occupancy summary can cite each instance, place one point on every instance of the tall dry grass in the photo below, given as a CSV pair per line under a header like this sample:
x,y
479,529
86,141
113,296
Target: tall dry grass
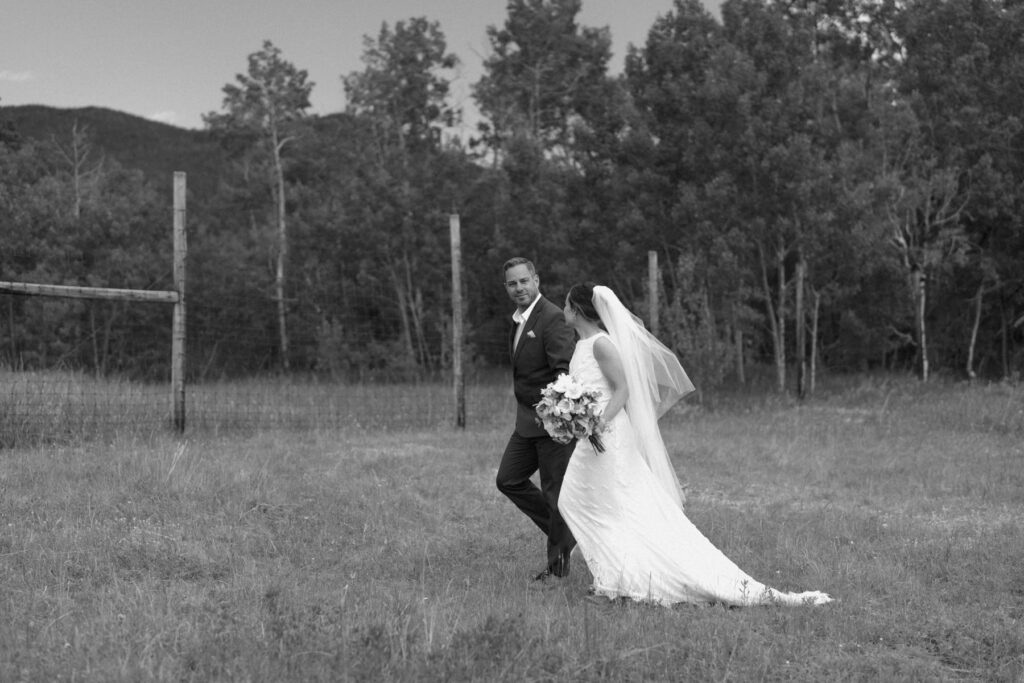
x,y
383,551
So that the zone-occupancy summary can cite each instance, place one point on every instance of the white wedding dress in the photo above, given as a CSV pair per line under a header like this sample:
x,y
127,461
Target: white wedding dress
x,y
635,538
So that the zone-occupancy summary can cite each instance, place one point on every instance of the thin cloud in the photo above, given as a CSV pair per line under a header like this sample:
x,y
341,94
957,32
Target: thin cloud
x,y
164,117
16,76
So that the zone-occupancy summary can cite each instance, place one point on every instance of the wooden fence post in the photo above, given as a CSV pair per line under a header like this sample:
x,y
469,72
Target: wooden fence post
x,y
178,330
458,377
177,297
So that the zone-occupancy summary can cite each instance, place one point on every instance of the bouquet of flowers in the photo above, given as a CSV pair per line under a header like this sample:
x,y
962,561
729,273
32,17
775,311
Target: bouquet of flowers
x,y
568,410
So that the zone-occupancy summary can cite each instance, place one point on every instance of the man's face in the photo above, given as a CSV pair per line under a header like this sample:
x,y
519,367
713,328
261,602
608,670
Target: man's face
x,y
522,286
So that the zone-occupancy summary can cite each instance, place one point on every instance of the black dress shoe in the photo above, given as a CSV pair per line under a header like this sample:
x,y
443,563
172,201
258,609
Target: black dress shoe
x,y
560,568
546,580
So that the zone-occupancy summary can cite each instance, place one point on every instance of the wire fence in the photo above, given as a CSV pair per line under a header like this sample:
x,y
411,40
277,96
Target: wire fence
x,y
54,406
85,369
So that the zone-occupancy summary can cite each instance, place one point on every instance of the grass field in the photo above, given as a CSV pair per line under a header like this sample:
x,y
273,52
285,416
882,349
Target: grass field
x,y
382,550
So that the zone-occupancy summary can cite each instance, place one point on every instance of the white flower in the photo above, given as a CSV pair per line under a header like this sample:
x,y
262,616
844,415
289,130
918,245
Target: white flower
x,y
561,384
568,410
574,391
563,408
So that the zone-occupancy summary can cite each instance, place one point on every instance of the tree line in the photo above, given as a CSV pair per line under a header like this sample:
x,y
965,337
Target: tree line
x,y
828,184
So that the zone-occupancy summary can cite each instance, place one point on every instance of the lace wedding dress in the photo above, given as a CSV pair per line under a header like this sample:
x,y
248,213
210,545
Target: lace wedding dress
x,y
634,536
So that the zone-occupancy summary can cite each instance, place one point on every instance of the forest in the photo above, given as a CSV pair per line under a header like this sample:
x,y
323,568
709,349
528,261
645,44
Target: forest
x,y
830,186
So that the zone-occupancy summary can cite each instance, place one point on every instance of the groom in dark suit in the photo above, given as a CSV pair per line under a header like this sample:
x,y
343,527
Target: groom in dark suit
x,y
540,344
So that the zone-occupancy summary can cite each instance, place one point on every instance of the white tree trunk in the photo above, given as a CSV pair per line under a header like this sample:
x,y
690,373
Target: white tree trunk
x,y
801,328
780,321
282,253
737,334
974,331
775,308
814,341
918,286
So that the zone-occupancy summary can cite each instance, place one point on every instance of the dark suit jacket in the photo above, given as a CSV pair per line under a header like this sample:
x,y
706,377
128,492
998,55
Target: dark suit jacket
x,y
544,350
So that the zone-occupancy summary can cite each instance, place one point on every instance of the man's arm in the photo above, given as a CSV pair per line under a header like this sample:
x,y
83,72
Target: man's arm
x,y
559,341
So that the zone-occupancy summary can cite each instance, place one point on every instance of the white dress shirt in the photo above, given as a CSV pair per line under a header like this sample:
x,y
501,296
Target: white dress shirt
x,y
520,320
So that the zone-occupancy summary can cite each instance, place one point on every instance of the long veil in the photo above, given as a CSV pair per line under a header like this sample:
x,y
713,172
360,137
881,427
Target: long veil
x,y
655,378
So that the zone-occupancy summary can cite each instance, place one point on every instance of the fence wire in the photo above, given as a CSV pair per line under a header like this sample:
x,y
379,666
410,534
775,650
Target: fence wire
x,y
92,369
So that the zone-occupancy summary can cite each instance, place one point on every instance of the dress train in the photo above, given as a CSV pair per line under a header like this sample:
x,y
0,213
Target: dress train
x,y
636,540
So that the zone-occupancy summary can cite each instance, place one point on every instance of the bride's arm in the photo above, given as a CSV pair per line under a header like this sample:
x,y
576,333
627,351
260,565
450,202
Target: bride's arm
x,y
608,359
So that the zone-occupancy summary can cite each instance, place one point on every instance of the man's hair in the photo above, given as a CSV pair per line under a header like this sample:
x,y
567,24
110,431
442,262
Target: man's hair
x,y
518,261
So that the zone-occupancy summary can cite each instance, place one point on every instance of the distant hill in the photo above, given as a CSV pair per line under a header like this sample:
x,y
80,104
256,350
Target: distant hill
x,y
157,149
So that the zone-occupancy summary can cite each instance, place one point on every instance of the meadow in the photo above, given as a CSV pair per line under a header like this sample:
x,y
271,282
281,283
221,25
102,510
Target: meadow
x,y
353,534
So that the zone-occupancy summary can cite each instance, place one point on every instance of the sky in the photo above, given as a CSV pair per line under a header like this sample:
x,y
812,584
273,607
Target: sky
x,y
169,60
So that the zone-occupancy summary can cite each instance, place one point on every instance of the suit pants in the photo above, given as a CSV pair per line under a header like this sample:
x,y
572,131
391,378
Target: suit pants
x,y
523,456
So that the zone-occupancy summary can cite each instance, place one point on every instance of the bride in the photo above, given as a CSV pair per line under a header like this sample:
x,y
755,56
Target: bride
x,y
623,504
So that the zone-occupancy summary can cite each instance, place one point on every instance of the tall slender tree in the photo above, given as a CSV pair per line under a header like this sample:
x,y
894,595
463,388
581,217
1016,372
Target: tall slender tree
x,y
268,102
545,90
545,73
688,88
963,76
402,95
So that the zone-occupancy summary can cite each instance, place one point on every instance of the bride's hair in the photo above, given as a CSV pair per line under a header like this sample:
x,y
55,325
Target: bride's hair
x,y
581,296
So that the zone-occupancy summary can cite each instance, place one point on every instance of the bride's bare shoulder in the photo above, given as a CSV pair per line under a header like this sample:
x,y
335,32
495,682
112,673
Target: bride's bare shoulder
x,y
604,347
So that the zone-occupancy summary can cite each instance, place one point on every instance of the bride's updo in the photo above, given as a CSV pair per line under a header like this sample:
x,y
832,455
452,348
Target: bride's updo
x,y
581,297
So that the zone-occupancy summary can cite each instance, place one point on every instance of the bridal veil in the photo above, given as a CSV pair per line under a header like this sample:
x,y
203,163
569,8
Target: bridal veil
x,y
655,379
